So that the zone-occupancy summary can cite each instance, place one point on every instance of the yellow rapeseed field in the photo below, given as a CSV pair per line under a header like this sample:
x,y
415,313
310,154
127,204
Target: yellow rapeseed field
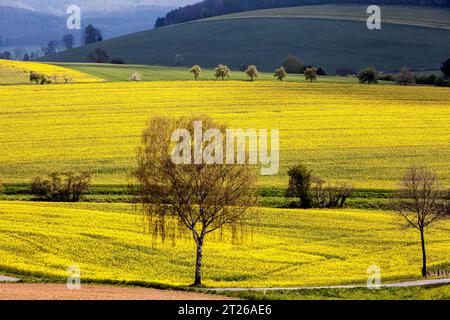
x,y
16,72
13,75
289,248
366,135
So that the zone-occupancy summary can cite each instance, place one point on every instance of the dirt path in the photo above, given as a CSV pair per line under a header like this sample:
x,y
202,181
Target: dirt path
x,y
387,285
41,291
38,291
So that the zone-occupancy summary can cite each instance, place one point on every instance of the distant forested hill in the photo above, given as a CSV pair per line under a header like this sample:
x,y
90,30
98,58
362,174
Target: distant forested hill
x,y
212,8
32,28
20,26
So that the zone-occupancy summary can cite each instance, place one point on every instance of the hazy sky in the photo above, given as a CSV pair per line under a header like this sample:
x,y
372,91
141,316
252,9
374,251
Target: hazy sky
x,y
58,6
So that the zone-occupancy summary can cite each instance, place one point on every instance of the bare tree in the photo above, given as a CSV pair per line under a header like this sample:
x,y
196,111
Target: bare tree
x,y
405,77
420,202
326,196
67,78
196,199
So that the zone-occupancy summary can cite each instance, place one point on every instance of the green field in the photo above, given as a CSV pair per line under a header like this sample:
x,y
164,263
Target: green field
x,y
265,41
286,248
114,72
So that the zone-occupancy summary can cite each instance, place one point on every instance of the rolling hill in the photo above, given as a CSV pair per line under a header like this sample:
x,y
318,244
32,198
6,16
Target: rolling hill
x,y
330,36
214,8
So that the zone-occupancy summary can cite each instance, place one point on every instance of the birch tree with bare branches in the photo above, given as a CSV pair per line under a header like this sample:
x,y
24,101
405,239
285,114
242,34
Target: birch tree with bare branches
x,y
196,199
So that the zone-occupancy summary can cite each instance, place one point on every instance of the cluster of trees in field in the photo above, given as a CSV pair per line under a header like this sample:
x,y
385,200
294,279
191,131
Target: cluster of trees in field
x,y
294,65
41,79
313,192
406,77
61,186
100,55
212,8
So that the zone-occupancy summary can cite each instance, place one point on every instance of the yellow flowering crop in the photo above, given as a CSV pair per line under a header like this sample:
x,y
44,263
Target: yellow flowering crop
x,y
12,72
289,248
365,135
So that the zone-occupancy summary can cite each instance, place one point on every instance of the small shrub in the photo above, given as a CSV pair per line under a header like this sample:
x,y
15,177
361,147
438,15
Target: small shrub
x,y
117,61
405,77
136,76
293,64
280,73
196,71
61,187
426,79
300,178
368,75
99,56
222,71
1,185
442,82
252,72
445,68
321,71
329,196
313,192
39,78
310,74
